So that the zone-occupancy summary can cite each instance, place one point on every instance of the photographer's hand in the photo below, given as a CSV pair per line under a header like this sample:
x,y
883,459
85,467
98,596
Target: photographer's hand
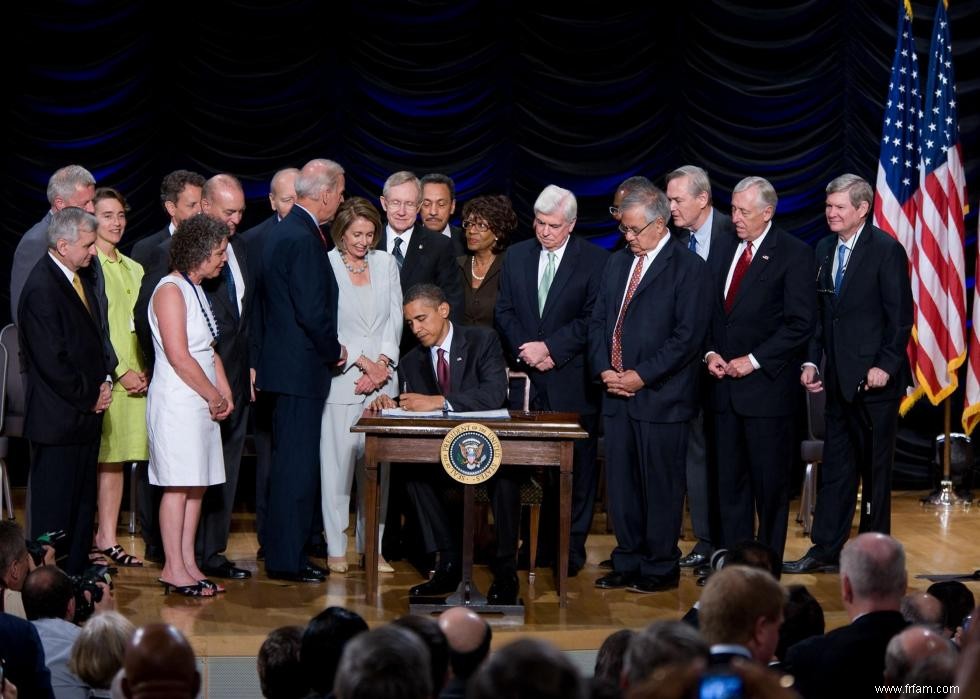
x,y
107,603
9,690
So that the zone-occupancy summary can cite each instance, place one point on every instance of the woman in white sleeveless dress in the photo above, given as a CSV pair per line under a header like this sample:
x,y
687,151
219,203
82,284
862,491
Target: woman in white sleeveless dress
x,y
188,395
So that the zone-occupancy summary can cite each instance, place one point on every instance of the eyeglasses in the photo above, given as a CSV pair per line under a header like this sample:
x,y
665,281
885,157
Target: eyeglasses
x,y
478,225
614,210
627,230
397,204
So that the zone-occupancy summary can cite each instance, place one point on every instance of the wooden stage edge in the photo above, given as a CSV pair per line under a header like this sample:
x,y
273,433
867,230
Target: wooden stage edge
x,y
236,623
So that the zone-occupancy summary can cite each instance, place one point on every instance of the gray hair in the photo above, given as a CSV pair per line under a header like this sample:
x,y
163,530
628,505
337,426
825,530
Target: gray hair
x,y
766,192
630,184
67,223
98,652
276,178
65,181
697,180
857,189
651,199
555,199
402,177
660,643
389,662
317,175
875,565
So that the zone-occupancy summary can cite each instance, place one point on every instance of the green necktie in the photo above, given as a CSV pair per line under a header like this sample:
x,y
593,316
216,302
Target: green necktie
x,y
546,279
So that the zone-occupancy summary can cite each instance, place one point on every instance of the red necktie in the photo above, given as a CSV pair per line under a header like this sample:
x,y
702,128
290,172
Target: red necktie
x,y
442,372
740,268
617,338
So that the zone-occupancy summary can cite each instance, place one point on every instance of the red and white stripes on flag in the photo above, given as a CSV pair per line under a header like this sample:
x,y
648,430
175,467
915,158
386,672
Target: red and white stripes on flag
x,y
971,400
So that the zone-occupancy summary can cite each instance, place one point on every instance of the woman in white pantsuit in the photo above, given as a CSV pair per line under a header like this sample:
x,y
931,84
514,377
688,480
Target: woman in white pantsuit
x,y
369,325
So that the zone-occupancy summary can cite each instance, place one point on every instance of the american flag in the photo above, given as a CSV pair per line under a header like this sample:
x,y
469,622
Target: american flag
x,y
940,314
971,401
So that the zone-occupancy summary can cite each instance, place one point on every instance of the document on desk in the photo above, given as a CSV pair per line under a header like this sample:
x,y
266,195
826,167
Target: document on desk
x,y
500,414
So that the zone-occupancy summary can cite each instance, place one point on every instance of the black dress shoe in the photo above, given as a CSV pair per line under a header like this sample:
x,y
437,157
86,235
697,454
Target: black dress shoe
x,y
226,570
615,580
809,564
606,564
445,580
654,583
702,571
307,574
693,560
504,589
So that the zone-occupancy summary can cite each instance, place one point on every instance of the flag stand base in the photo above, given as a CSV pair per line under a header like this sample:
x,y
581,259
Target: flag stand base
x,y
946,496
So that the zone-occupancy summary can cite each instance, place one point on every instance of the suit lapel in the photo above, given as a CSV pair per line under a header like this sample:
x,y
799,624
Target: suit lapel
x,y
760,260
531,279
858,254
62,283
658,265
621,276
565,270
427,373
458,351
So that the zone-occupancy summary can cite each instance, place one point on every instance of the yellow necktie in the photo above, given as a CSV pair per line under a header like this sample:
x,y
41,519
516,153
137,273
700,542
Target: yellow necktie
x,y
77,283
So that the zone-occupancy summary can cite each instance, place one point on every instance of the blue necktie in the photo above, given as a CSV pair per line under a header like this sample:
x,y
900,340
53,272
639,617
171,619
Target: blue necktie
x,y
692,243
397,252
839,277
230,286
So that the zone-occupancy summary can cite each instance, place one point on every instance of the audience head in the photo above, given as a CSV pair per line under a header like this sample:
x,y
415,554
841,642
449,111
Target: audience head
x,y
438,201
957,602
555,212
922,609
356,221
98,652
159,663
15,561
753,554
468,636
71,185
180,193
198,247
872,574
527,668
743,606
428,631
643,216
401,197
488,220
48,594
660,643
802,618
71,237
389,662
753,206
282,191
323,643
611,656
427,313
280,673
849,200
224,199
320,188
689,194
919,651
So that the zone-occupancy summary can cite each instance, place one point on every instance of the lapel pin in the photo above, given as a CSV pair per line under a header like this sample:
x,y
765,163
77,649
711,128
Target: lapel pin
x,y
765,257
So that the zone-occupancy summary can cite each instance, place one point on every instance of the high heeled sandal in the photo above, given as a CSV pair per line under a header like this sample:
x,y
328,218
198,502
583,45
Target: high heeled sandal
x,y
197,590
337,564
211,585
117,554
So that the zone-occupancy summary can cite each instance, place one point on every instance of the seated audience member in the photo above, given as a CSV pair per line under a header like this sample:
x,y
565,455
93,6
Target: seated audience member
x,y
873,581
749,553
428,631
97,656
280,673
389,662
527,668
957,603
741,612
968,669
660,643
609,663
23,656
15,564
920,656
802,618
468,637
922,609
159,662
323,644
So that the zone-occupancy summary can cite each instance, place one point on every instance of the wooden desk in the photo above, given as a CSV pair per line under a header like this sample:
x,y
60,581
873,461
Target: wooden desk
x,y
526,439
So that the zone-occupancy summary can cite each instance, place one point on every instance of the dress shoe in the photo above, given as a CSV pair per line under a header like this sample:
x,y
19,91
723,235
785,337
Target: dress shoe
x,y
226,570
648,584
606,564
809,564
693,560
615,580
702,571
308,573
445,580
504,589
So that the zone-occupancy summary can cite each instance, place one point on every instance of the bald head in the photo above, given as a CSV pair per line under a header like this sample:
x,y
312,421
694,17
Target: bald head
x,y
159,662
282,191
912,649
224,200
923,609
464,629
872,573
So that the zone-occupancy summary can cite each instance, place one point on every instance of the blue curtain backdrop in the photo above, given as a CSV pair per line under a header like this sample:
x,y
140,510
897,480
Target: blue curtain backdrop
x,y
505,97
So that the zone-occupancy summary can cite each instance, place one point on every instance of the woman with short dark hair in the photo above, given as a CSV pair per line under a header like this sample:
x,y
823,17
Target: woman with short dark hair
x,y
488,222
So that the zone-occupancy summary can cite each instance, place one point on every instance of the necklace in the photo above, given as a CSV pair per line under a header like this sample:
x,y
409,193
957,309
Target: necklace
x,y
207,316
351,268
473,268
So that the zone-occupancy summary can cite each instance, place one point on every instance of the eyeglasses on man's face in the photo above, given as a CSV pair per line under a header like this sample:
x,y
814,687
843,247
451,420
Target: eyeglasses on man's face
x,y
398,204
629,230
614,211
480,226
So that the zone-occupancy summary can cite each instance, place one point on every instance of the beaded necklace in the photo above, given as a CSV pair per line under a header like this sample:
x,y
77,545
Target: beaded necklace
x,y
207,316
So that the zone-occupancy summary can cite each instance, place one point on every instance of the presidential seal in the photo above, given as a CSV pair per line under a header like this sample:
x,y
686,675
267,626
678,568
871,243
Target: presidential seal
x,y
471,453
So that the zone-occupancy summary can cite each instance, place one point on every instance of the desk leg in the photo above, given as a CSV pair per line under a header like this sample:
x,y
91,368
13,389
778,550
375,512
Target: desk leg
x,y
565,519
371,517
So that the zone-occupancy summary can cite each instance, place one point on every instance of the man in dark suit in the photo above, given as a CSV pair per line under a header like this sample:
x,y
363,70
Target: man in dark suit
x,y
68,383
864,323
702,228
645,335
459,368
873,582
230,295
299,348
763,313
548,339
180,194
438,205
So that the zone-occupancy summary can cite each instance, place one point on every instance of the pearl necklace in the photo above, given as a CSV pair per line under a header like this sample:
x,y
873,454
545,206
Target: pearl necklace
x,y
350,267
473,268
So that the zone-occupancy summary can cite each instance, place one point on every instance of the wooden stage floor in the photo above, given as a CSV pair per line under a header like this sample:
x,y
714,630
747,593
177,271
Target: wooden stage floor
x,y
236,623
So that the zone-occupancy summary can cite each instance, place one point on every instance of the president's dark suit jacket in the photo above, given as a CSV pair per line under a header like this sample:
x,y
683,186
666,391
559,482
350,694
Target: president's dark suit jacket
x,y
255,239
153,252
477,372
429,260
852,656
458,236
299,300
563,326
233,328
772,318
147,251
64,349
869,323
663,332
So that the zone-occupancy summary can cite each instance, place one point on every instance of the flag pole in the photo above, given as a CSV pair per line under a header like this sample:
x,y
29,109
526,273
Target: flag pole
x,y
946,495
